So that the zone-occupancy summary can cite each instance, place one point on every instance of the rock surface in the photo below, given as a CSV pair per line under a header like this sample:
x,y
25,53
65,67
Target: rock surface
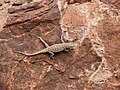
x,y
94,63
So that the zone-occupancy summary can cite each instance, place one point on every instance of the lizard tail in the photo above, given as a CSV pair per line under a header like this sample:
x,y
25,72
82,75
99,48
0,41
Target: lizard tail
x,y
28,54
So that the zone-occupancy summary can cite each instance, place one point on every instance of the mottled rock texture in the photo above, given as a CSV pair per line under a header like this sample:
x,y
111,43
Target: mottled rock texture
x,y
94,63
115,3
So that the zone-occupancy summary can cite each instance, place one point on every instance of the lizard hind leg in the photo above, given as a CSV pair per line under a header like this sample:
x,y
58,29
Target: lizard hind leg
x,y
52,54
46,45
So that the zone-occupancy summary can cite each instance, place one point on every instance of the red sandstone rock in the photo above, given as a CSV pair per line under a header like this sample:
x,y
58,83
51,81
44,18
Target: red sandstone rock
x,y
94,64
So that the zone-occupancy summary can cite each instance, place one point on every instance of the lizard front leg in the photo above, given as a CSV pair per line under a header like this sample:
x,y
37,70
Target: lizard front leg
x,y
61,38
67,50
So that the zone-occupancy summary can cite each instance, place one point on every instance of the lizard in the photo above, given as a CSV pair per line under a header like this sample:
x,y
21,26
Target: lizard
x,y
51,49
